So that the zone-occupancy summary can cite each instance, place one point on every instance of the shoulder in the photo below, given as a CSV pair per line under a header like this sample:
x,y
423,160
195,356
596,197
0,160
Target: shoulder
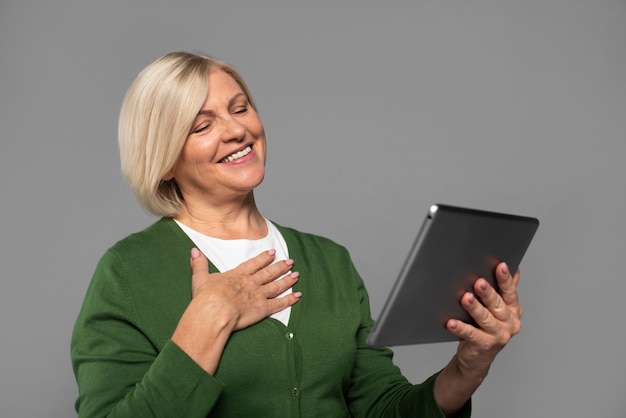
x,y
148,237
160,237
150,249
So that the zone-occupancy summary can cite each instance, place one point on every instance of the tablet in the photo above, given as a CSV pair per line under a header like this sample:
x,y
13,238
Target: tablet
x,y
454,247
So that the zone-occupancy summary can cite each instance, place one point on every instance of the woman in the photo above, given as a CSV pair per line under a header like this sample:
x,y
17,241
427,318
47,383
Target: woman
x,y
275,323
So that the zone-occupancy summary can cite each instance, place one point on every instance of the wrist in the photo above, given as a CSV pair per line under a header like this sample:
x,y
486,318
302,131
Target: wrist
x,y
467,371
201,339
455,385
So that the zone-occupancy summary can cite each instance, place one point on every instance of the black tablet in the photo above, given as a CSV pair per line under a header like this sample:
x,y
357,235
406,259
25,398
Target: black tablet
x,y
454,247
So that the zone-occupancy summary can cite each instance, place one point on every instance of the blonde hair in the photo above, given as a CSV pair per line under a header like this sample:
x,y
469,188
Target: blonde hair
x,y
155,120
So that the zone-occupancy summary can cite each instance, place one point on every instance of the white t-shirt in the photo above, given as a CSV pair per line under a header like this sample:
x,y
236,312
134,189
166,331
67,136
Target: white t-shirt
x,y
226,254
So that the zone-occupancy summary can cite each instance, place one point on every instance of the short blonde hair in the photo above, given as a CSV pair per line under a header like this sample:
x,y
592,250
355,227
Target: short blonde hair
x,y
155,120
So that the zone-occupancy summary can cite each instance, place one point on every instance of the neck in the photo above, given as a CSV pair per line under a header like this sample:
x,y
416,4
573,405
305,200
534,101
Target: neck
x,y
232,220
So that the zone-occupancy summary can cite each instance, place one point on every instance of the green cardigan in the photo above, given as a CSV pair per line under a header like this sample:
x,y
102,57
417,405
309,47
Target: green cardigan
x,y
318,366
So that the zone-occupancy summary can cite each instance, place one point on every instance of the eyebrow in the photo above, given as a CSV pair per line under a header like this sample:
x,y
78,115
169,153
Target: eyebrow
x,y
209,112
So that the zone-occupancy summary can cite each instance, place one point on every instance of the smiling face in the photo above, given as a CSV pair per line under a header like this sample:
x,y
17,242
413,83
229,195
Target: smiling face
x,y
224,155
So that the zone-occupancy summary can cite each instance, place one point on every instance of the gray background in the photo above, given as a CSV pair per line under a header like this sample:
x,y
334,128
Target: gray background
x,y
373,111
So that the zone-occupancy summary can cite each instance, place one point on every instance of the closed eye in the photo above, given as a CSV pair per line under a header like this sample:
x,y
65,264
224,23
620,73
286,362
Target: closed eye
x,y
201,128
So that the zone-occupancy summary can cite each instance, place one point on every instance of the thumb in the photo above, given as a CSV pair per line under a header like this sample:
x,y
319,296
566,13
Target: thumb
x,y
199,269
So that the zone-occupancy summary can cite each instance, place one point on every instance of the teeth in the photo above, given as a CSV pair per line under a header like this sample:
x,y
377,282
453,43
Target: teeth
x,y
238,155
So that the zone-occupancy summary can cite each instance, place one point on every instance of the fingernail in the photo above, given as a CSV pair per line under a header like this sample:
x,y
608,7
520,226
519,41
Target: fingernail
x,y
452,324
195,253
271,252
295,275
483,284
297,294
505,269
289,262
470,298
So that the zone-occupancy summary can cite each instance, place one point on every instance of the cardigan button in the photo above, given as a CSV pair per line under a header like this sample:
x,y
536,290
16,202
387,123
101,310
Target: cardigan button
x,y
289,336
295,392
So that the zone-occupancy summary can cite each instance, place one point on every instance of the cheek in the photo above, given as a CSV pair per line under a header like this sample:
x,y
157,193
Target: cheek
x,y
192,157
259,134
255,126
261,146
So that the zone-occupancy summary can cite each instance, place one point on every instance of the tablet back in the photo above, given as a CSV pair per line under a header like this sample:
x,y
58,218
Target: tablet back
x,y
454,247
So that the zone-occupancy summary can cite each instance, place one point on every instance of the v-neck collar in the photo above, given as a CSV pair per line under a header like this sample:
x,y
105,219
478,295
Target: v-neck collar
x,y
295,252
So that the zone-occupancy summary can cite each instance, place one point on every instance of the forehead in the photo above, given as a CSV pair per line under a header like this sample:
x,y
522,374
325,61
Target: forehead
x,y
222,85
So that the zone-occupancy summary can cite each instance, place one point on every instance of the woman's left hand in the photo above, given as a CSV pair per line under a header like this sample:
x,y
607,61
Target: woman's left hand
x,y
498,318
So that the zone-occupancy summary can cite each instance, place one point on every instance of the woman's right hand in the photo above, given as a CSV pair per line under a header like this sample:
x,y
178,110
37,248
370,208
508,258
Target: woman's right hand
x,y
249,291
229,301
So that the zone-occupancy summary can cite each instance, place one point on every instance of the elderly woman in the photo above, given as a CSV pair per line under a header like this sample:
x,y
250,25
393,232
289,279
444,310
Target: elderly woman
x,y
215,311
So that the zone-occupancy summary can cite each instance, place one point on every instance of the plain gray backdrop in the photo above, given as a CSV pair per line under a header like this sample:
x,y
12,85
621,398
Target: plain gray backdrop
x,y
373,111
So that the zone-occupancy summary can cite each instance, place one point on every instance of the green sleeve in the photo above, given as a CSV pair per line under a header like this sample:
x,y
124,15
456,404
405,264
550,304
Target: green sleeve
x,y
378,388
120,371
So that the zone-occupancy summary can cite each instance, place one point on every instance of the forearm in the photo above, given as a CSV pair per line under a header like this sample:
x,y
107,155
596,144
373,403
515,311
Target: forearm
x,y
455,385
204,341
173,385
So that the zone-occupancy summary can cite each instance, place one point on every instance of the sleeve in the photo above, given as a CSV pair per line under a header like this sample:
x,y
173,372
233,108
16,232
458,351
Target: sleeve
x,y
119,371
378,389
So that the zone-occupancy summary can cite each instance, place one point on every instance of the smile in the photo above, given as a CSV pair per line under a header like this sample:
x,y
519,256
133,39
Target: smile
x,y
237,155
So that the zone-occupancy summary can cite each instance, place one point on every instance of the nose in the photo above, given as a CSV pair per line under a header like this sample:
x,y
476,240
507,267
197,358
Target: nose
x,y
233,130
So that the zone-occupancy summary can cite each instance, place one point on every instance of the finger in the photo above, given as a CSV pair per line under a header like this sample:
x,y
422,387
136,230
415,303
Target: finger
x,y
464,331
493,315
507,285
492,300
199,269
278,304
277,287
251,266
483,317
273,271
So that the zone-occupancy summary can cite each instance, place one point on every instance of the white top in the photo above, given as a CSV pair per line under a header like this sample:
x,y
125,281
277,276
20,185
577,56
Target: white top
x,y
226,254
